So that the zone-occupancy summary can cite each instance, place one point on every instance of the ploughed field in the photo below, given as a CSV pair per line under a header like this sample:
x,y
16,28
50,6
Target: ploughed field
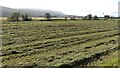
x,y
60,43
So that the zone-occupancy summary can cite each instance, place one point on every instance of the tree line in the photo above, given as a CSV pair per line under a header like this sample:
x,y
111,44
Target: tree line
x,y
25,17
17,17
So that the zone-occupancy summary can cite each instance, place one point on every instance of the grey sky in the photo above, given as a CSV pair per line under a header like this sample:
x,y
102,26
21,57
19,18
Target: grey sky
x,y
72,7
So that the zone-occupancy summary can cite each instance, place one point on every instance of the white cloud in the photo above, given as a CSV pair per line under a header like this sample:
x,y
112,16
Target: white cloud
x,y
75,7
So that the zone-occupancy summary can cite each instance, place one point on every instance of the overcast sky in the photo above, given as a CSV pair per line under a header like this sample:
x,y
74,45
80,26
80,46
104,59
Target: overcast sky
x,y
72,7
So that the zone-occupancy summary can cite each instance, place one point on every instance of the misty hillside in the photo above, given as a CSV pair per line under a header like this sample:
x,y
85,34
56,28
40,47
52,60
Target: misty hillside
x,y
32,12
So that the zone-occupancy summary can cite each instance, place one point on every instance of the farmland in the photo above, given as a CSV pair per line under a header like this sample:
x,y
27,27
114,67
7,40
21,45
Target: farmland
x,y
60,43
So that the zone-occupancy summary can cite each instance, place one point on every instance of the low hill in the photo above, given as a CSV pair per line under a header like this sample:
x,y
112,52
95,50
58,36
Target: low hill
x,y
32,12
